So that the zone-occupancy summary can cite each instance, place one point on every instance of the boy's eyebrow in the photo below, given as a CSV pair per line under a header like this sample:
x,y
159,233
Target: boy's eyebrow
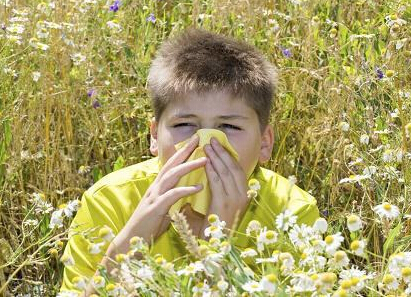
x,y
225,117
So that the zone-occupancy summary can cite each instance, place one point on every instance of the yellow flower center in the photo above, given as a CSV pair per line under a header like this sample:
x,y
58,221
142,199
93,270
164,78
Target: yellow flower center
x,y
341,293
339,256
271,278
103,232
329,239
355,280
97,279
406,271
314,276
212,218
110,287
387,206
254,286
213,241
303,256
120,258
387,279
328,277
62,206
355,245
159,260
53,252
270,235
346,284
352,219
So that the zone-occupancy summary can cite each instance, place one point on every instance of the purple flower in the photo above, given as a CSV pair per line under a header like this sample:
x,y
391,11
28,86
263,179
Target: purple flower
x,y
379,72
115,6
3,26
96,104
91,92
151,18
286,52
324,213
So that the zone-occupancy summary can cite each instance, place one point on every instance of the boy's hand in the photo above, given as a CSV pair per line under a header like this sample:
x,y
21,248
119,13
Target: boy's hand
x,y
150,218
228,183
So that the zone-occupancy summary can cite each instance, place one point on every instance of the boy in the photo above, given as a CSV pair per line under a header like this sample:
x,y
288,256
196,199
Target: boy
x,y
199,80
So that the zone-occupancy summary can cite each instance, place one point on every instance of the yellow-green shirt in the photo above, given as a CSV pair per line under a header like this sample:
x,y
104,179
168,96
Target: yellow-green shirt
x,y
112,200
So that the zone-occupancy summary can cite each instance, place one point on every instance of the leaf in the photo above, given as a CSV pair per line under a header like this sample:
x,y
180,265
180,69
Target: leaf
x,y
119,163
390,239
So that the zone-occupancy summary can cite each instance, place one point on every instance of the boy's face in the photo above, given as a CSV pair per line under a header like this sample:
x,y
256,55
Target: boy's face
x,y
182,118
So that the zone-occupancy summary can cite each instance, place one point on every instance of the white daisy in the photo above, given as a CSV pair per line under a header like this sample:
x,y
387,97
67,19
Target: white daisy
x,y
145,272
79,282
56,219
390,282
364,139
193,268
339,260
266,238
358,246
301,283
214,220
252,286
333,242
253,226
269,283
98,282
386,210
67,260
344,126
320,225
36,76
406,274
287,263
201,288
354,223
95,248
222,285
248,252
106,234
300,235
355,278
285,220
214,231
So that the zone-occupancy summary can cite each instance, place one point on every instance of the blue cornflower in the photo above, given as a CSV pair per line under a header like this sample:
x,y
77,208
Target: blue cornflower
x,y
91,92
96,104
286,52
379,72
151,18
115,6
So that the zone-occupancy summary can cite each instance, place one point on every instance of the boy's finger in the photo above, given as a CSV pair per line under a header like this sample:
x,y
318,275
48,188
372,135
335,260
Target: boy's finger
x,y
223,171
215,182
180,155
173,195
230,163
171,178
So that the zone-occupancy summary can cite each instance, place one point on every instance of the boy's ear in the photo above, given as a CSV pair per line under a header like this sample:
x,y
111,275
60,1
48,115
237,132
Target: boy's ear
x,y
153,137
267,143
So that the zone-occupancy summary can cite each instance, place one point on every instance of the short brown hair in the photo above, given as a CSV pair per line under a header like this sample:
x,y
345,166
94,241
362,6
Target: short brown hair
x,y
201,61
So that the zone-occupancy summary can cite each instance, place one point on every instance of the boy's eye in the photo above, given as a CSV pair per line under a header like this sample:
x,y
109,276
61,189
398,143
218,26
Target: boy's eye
x,y
182,124
230,126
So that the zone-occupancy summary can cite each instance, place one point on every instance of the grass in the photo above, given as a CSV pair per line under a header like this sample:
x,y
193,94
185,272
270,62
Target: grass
x,y
339,62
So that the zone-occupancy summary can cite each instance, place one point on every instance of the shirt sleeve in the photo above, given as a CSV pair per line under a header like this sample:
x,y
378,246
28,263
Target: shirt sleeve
x,y
303,205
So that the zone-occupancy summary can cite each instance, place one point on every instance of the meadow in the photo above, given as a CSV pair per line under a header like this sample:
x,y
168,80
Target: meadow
x,y
74,107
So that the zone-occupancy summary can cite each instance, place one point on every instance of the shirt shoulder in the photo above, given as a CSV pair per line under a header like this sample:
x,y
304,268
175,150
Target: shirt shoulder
x,y
140,171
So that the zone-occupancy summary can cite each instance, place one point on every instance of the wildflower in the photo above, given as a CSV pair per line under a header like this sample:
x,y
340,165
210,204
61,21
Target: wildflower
x,y
56,219
388,155
406,274
353,279
41,206
36,75
151,18
30,222
54,252
79,282
251,194
67,260
286,52
114,25
301,283
91,93
321,225
96,104
333,242
106,234
248,252
214,231
300,235
145,272
201,288
269,283
115,6
98,282
115,290
254,184
222,285
389,73
137,243
71,207
95,248
340,260
333,32
357,247
390,282
344,126
122,258
387,210
285,220
78,58
380,73
287,263
15,29
354,223
252,286
225,247
192,268
253,227
364,139
214,242
266,238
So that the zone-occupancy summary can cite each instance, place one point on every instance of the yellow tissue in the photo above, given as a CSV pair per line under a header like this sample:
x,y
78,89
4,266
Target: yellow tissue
x,y
200,201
